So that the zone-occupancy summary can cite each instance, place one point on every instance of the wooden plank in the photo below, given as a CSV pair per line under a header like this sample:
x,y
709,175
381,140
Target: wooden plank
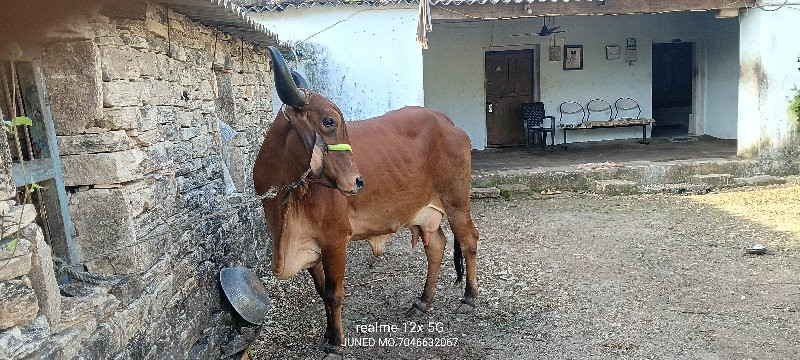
x,y
36,170
61,216
611,7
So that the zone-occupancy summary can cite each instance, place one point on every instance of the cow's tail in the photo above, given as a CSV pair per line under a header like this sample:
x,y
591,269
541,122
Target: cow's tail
x,y
458,260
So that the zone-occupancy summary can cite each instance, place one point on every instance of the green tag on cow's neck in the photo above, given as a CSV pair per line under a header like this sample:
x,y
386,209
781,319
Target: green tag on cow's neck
x,y
340,147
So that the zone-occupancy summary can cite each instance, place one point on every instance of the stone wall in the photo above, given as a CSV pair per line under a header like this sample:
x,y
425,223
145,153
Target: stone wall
x,y
137,96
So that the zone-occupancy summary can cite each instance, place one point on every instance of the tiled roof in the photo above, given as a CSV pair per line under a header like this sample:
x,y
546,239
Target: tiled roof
x,y
280,5
226,16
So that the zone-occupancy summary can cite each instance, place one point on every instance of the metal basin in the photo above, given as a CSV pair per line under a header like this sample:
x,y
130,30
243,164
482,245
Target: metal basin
x,y
246,293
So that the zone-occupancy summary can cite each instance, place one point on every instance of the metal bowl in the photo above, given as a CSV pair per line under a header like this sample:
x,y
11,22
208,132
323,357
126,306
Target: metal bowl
x,y
246,293
756,249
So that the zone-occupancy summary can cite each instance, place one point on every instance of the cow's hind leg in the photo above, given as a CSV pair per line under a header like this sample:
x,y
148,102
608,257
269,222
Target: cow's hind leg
x,y
434,250
466,238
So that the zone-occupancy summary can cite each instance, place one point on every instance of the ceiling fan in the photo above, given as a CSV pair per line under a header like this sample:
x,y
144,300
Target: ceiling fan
x,y
548,31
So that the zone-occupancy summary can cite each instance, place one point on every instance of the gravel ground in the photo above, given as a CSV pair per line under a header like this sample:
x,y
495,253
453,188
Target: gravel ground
x,y
574,277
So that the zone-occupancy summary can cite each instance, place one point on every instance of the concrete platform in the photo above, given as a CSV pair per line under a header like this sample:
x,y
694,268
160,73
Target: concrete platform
x,y
618,167
659,150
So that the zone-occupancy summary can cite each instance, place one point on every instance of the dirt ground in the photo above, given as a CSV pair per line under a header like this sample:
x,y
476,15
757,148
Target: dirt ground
x,y
575,277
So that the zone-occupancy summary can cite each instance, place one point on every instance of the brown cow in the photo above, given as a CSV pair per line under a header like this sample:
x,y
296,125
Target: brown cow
x,y
415,169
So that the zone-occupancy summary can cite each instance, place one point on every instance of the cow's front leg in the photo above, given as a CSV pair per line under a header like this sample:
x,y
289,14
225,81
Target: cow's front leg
x,y
318,275
333,265
434,250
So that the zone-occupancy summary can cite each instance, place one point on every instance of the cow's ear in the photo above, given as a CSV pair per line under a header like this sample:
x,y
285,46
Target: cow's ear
x,y
304,128
317,153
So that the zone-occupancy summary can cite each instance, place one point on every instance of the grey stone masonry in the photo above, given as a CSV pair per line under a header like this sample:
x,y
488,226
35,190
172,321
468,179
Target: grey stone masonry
x,y
72,67
18,303
137,95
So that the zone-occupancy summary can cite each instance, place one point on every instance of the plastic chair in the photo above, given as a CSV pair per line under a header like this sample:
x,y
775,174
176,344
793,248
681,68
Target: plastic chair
x,y
533,118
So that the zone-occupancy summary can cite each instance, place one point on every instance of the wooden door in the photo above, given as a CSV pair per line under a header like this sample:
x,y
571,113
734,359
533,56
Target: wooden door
x,y
509,82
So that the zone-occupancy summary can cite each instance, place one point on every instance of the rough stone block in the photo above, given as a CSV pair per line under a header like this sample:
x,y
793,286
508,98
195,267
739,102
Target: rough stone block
x,y
165,93
22,341
23,248
7,190
156,27
86,303
74,80
132,33
42,275
154,66
15,267
202,146
109,141
714,180
67,343
120,63
485,193
124,9
18,303
614,187
158,157
145,138
102,168
122,118
103,220
18,218
125,93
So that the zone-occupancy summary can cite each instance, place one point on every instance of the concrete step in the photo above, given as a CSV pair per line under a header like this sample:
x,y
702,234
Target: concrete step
x,y
759,180
583,178
678,189
615,187
713,180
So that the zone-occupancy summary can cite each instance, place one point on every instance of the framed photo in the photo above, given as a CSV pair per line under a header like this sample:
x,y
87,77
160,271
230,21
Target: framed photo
x,y
612,52
555,53
573,57
631,43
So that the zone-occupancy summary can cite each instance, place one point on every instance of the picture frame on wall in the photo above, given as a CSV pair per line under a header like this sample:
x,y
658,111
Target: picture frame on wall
x,y
555,53
612,52
573,57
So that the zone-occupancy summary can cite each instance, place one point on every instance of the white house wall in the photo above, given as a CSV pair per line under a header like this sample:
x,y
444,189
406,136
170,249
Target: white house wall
x,y
454,67
769,73
365,59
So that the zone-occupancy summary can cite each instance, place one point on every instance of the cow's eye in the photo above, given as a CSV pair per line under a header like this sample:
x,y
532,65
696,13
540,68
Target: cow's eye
x,y
328,122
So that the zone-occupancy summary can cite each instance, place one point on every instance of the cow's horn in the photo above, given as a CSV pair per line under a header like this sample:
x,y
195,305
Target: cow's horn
x,y
287,90
300,80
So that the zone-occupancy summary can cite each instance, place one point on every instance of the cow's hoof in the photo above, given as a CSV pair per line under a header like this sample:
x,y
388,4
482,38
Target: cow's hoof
x,y
332,352
418,309
414,313
465,307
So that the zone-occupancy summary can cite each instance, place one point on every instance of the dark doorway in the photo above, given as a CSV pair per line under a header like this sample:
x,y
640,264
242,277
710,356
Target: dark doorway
x,y
509,82
672,88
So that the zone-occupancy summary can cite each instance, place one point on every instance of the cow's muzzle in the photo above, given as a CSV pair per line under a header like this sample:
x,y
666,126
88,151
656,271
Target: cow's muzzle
x,y
359,184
